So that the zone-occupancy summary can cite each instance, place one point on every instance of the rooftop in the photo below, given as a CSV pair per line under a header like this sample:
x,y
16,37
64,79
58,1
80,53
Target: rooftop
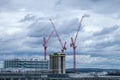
x,y
24,60
57,54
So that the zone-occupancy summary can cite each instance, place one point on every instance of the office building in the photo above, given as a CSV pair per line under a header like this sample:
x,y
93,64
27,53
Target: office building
x,y
57,63
27,64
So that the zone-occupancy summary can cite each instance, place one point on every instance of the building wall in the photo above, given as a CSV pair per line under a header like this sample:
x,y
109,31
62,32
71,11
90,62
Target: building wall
x,y
16,63
57,63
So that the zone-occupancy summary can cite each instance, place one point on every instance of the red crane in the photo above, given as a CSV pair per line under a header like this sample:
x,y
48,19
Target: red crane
x,y
63,45
73,44
45,42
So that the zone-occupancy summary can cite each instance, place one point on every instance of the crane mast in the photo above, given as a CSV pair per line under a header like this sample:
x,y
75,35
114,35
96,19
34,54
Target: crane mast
x,y
73,44
45,42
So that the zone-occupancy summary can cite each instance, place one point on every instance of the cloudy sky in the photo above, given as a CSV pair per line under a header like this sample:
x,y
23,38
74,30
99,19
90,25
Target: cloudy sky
x,y
24,23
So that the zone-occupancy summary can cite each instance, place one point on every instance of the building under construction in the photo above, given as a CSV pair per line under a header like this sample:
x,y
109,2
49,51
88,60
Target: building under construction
x,y
17,69
57,63
27,64
31,70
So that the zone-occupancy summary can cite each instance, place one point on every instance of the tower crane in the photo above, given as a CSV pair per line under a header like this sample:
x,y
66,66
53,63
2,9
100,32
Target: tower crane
x,y
63,45
73,43
45,42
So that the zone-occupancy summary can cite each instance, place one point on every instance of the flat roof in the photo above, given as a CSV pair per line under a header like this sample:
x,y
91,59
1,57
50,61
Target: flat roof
x,y
57,54
25,60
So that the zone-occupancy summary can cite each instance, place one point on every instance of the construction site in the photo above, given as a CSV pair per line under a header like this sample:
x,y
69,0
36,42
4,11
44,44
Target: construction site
x,y
53,68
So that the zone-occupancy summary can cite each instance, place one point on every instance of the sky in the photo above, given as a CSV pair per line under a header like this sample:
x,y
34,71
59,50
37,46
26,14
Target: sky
x,y
24,23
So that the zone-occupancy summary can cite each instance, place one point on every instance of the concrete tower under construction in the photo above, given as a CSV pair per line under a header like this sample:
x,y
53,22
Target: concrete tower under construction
x,y
57,63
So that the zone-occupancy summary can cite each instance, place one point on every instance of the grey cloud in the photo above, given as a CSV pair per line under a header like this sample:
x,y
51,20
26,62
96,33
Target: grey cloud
x,y
104,43
108,44
8,46
39,29
95,0
11,42
33,42
106,31
69,26
28,17
31,5
58,2
100,6
4,2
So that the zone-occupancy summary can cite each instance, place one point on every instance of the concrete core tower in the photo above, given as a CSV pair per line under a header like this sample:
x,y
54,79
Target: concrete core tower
x,y
57,63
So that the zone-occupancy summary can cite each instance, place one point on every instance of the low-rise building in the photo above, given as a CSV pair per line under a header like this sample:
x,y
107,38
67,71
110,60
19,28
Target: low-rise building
x,y
27,64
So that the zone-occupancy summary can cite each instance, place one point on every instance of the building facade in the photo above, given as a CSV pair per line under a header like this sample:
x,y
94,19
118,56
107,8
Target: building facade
x,y
57,63
27,64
